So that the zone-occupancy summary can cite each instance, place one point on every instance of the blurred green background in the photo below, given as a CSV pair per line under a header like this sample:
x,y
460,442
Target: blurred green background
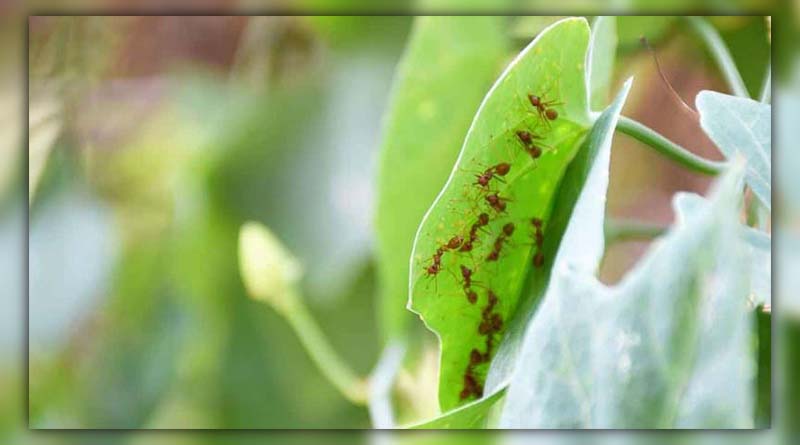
x,y
152,139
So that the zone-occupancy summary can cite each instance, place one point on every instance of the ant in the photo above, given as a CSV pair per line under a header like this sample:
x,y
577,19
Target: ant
x,y
466,274
527,138
508,230
491,324
436,266
538,258
544,107
496,202
498,171
471,386
483,220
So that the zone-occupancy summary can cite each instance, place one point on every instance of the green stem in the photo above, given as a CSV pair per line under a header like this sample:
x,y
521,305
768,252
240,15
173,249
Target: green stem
x,y
381,382
721,54
323,355
668,148
617,230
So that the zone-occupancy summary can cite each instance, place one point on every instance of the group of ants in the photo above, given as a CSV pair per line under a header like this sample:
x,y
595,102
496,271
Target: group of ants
x,y
492,322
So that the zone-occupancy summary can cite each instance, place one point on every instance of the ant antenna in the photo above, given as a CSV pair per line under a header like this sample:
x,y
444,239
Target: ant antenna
x,y
674,93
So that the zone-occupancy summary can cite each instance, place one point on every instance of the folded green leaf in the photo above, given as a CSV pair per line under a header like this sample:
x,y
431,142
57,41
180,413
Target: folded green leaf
x,y
741,126
477,242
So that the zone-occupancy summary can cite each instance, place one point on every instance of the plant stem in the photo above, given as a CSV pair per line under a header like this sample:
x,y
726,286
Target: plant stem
x,y
721,54
617,230
324,356
380,385
668,148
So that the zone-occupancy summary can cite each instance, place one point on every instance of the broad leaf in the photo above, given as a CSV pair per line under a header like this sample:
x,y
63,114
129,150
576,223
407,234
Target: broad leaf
x,y
759,247
602,56
667,347
447,65
741,126
454,240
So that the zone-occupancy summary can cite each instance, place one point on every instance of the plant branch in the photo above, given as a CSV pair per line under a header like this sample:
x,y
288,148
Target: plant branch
x,y
668,148
721,55
380,385
324,356
617,230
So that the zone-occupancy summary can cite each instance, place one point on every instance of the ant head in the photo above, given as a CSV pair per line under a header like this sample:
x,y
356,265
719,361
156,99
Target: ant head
x,y
483,219
537,222
493,198
508,229
524,136
502,169
472,296
465,271
536,101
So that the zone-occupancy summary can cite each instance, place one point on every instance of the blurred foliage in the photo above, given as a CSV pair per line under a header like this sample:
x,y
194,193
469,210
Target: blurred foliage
x,y
183,139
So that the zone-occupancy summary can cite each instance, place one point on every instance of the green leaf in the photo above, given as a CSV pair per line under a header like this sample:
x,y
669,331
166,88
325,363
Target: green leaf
x,y
741,126
667,347
447,65
759,247
552,66
473,415
602,56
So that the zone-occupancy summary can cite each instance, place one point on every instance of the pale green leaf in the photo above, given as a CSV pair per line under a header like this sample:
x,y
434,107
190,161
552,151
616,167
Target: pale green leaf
x,y
552,66
602,56
448,64
742,127
666,348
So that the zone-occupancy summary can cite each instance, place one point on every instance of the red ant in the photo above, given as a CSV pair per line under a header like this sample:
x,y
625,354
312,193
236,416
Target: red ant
x,y
496,202
452,244
497,171
466,273
538,258
544,107
491,324
471,386
527,138
508,230
483,220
